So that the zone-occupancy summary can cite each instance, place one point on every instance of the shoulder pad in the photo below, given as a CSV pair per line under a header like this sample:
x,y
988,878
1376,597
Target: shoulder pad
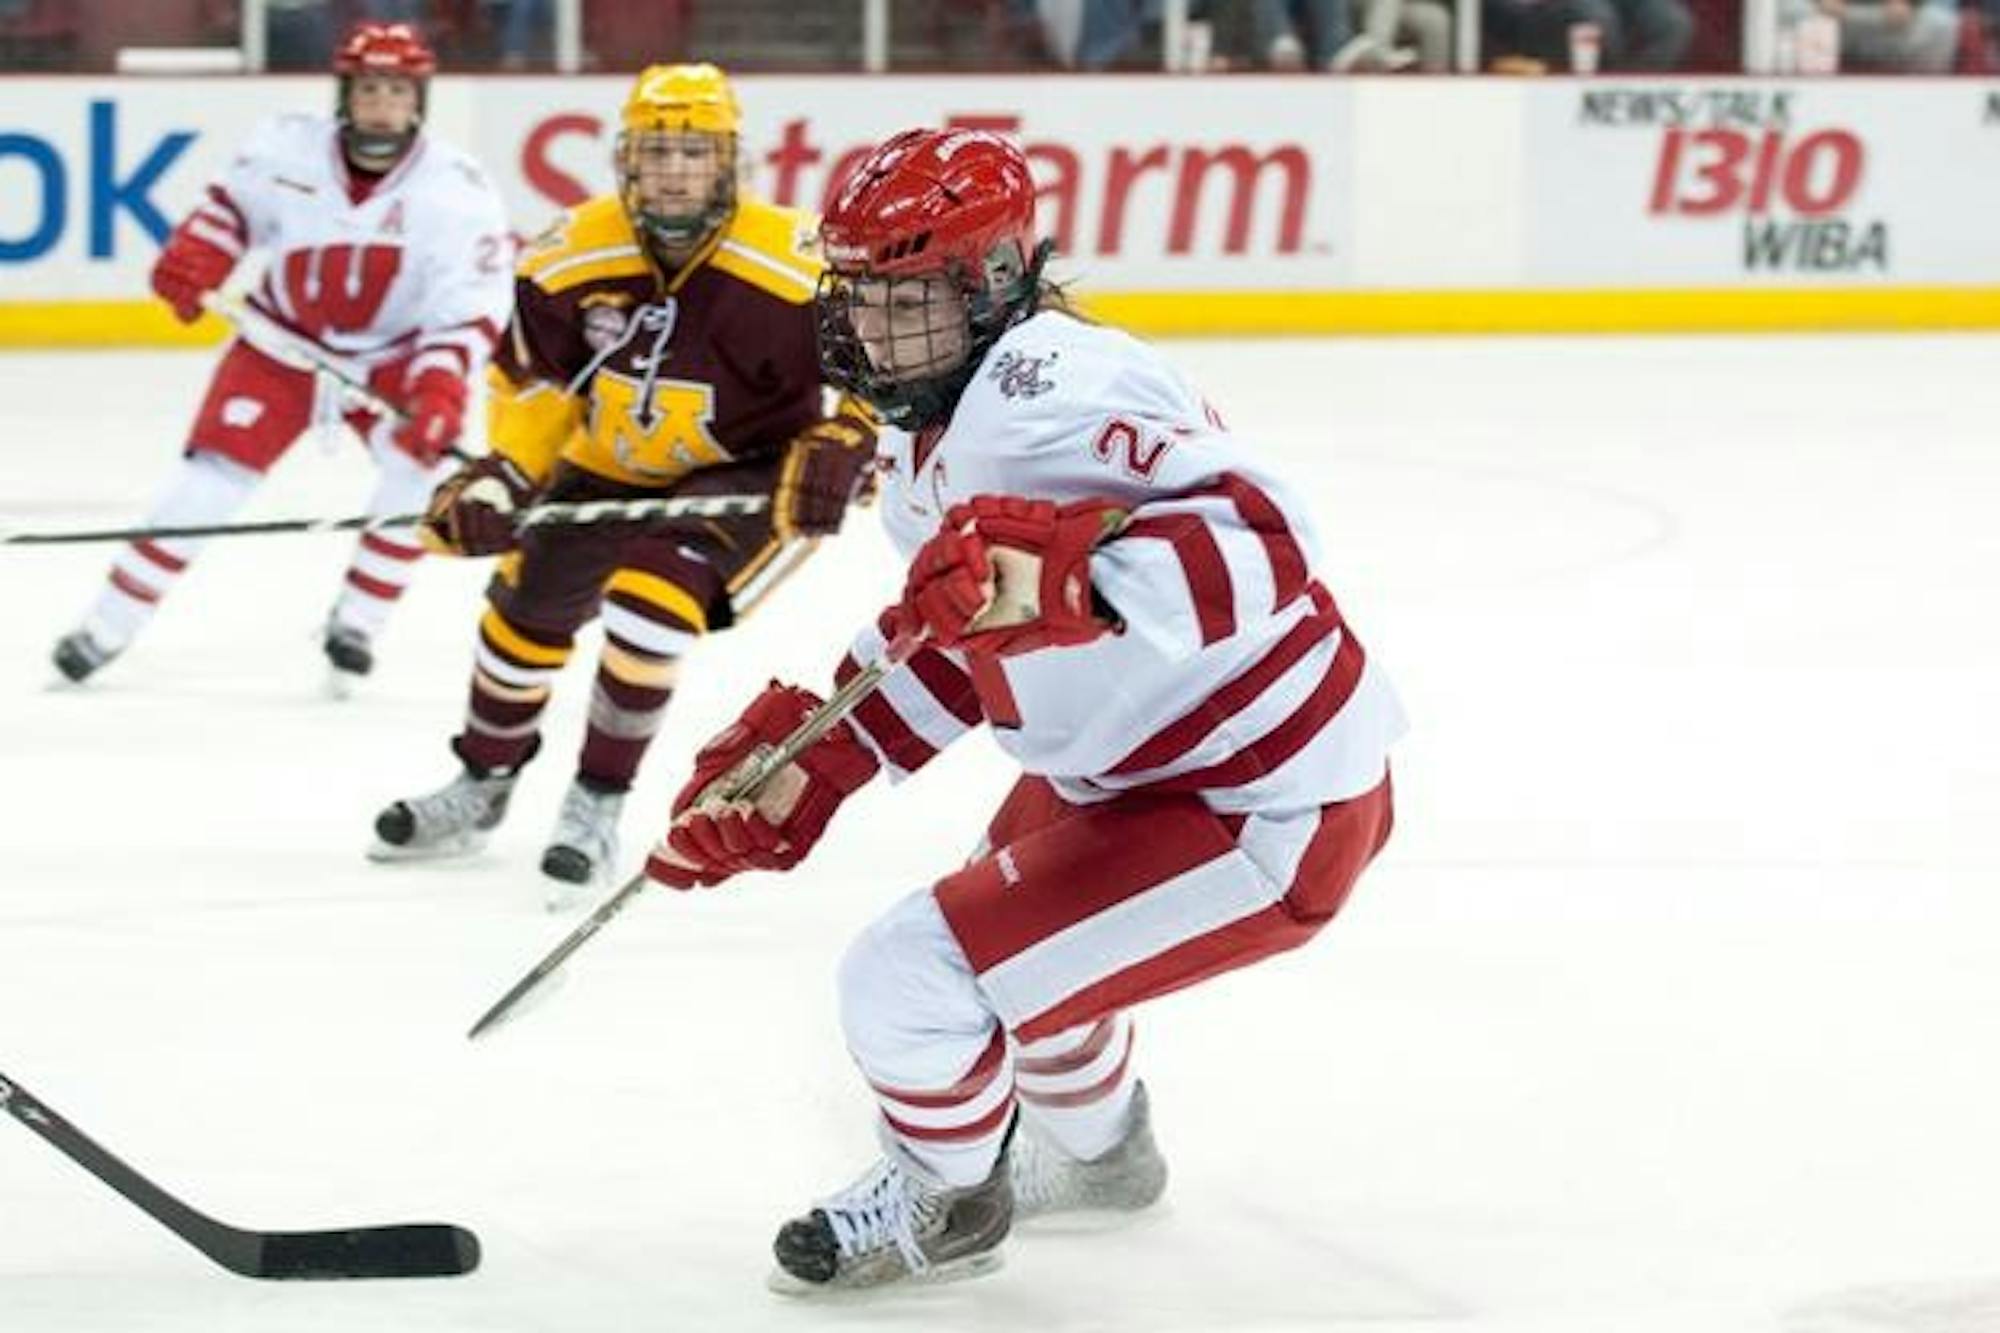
x,y
591,242
774,249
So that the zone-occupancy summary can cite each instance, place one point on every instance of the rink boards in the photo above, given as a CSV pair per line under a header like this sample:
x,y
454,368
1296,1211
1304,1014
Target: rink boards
x,y
1241,204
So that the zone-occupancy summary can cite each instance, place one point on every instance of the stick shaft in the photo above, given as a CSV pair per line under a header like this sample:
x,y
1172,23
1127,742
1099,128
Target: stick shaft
x,y
548,515
742,784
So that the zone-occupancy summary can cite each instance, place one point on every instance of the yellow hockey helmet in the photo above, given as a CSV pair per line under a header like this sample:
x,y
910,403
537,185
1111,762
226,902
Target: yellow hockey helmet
x,y
682,98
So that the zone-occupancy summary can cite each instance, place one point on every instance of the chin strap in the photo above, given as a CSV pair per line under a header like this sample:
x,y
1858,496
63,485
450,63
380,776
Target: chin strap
x,y
375,152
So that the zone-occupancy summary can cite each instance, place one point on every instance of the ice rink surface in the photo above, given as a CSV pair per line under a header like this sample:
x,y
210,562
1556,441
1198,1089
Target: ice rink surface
x,y
1672,1007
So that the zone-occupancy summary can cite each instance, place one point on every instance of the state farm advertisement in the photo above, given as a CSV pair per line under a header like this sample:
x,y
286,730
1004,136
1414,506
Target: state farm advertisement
x,y
1155,184
1147,183
1829,182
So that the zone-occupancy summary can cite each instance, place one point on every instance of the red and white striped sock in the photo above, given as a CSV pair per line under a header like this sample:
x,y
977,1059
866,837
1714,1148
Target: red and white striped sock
x,y
382,567
205,489
954,1130
1077,1085
385,560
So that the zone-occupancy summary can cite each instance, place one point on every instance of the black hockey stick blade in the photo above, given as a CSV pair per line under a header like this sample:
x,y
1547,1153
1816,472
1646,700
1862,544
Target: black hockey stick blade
x,y
416,1249
423,1249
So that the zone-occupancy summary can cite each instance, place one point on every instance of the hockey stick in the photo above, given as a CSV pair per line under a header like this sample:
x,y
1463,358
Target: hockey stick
x,y
274,337
550,515
1011,600
741,783
280,340
767,581
423,1249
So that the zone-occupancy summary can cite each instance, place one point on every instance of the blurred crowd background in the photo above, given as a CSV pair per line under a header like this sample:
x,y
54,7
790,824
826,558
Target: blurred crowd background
x,y
1302,37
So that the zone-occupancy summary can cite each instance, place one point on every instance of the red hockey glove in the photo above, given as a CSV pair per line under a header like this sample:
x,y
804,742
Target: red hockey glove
x,y
188,269
829,466
475,509
1006,575
433,415
709,841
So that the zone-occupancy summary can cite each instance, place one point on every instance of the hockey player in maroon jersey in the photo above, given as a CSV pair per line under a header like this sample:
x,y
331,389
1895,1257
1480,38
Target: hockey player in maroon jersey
x,y
389,249
1130,599
663,343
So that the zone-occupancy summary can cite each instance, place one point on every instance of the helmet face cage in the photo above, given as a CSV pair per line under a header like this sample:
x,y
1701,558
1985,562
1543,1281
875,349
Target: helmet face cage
x,y
652,162
909,344
377,150
905,345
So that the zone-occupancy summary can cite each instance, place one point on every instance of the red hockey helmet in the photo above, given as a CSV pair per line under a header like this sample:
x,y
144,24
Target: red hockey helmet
x,y
382,50
939,226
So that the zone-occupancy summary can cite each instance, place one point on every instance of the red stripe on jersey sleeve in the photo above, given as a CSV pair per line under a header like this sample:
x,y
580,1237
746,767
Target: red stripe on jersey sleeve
x,y
219,197
1262,516
1269,752
1201,561
1184,733
876,716
947,684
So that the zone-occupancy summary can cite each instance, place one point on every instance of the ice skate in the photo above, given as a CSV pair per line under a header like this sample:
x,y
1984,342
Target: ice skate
x,y
584,847
78,656
451,821
895,1224
351,655
1131,1176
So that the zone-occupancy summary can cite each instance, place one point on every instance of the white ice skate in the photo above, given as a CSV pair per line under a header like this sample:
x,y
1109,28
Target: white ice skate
x,y
895,1224
583,850
1131,1176
451,821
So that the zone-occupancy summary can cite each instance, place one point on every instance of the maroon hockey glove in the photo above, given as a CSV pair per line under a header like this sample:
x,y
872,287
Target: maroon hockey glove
x,y
475,509
830,465
188,269
433,415
1007,575
710,841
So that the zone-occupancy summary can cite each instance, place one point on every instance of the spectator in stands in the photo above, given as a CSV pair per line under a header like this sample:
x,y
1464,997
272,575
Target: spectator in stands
x,y
1892,34
1420,27
1320,34
525,32
1290,31
1105,32
298,34
1632,34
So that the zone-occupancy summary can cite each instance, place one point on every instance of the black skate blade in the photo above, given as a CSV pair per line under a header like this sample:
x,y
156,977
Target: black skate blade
x,y
781,1283
424,1249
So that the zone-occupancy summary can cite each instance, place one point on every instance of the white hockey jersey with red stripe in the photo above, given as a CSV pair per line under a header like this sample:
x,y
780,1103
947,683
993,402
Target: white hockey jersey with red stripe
x,y
1234,676
418,263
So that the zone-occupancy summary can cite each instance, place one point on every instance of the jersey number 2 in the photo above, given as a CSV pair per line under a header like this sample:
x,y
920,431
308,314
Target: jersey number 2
x,y
340,288
1127,446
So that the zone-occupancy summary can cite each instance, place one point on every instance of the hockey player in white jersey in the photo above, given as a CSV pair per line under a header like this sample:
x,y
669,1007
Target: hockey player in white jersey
x,y
1121,590
387,248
